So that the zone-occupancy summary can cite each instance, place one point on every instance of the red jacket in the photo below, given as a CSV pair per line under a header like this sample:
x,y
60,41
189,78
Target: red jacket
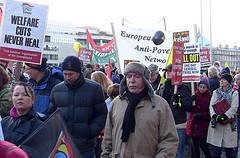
x,y
198,126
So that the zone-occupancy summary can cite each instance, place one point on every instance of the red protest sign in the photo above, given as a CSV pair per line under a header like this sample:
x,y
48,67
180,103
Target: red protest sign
x,y
177,63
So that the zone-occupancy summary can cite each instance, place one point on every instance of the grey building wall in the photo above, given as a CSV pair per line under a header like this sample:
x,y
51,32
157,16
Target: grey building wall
x,y
227,55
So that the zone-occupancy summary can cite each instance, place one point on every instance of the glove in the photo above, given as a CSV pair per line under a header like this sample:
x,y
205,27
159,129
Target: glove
x,y
193,97
176,98
221,118
197,115
214,120
213,123
214,117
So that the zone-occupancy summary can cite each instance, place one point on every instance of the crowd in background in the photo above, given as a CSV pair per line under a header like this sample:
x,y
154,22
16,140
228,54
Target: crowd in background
x,y
43,89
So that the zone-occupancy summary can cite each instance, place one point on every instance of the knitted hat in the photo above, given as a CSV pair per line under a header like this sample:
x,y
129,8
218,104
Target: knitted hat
x,y
41,67
72,63
204,81
140,69
225,70
153,68
227,77
9,150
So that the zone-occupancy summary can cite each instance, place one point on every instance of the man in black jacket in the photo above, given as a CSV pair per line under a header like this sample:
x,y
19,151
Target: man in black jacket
x,y
179,103
81,102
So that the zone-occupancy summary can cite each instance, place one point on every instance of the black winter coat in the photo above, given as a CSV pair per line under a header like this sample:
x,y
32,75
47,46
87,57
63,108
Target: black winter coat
x,y
179,113
16,131
83,109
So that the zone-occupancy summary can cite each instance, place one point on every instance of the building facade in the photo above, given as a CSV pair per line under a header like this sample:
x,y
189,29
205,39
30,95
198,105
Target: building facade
x,y
60,38
227,55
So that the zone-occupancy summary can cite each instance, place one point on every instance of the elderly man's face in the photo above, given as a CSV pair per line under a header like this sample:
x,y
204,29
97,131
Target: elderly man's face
x,y
135,83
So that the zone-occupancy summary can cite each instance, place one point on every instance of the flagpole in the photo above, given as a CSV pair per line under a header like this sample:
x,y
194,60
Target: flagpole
x,y
164,22
201,24
115,41
210,12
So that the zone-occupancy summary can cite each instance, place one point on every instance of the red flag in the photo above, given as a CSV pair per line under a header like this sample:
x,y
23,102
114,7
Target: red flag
x,y
106,48
109,69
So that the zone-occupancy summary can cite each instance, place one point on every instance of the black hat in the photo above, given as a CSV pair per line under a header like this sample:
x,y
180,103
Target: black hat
x,y
227,77
72,63
168,68
225,70
41,67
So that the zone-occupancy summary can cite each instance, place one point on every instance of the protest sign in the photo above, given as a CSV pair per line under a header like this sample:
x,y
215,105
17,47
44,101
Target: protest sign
x,y
191,63
137,45
23,29
177,63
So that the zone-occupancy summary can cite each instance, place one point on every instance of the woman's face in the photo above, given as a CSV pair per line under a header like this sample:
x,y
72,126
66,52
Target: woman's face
x,y
223,83
237,81
202,88
22,99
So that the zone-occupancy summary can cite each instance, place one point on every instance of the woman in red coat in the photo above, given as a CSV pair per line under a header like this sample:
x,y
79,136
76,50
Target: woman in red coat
x,y
9,150
198,121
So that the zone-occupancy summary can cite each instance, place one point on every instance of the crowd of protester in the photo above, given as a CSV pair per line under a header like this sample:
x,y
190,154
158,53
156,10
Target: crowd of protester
x,y
135,114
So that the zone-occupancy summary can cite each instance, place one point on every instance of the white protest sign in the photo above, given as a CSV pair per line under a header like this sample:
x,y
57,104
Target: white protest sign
x,y
23,30
191,63
136,45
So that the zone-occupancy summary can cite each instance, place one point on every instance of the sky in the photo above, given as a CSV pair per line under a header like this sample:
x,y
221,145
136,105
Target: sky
x,y
149,14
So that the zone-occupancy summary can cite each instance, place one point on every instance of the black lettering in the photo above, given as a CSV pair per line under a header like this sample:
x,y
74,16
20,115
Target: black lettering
x,y
23,31
24,21
10,39
31,42
135,37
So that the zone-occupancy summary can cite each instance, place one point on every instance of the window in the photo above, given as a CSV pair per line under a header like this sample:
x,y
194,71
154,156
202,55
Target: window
x,y
47,38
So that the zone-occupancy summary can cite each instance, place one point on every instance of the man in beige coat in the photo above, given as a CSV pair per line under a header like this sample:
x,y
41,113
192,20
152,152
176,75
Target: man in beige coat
x,y
139,124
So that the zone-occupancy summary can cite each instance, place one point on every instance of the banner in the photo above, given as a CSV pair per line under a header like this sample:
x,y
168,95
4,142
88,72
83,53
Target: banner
x,y
101,54
191,63
51,140
23,29
177,63
85,55
104,49
137,44
205,57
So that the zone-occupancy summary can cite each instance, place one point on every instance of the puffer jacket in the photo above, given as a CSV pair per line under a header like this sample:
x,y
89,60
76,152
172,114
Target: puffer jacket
x,y
42,89
83,108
